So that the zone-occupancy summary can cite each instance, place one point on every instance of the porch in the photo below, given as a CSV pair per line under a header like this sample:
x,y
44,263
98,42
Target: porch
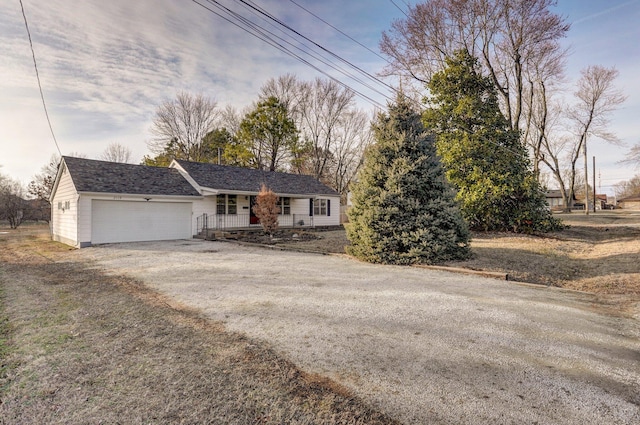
x,y
207,222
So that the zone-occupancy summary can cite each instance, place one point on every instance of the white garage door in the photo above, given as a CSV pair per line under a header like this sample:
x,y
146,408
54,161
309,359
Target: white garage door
x,y
122,221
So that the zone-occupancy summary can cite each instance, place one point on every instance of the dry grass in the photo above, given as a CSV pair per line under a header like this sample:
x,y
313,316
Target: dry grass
x,y
84,347
598,254
77,346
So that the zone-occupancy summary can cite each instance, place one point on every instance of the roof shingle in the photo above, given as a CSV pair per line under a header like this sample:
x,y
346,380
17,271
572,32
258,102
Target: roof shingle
x,y
226,177
90,175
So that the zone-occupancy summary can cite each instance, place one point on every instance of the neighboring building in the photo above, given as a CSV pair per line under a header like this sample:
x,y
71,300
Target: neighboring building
x,y
601,201
94,202
555,201
629,203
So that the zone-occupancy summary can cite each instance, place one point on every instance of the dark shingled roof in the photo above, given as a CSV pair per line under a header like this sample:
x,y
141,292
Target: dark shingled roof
x,y
225,177
89,175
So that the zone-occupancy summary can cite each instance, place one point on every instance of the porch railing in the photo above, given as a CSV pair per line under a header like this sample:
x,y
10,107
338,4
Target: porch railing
x,y
243,221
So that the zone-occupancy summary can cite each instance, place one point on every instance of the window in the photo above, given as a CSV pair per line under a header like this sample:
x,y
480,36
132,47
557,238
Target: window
x,y
226,204
221,204
232,204
67,205
285,206
320,207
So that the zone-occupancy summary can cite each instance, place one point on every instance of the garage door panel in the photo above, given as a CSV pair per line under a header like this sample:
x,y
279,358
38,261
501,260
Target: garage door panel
x,y
127,221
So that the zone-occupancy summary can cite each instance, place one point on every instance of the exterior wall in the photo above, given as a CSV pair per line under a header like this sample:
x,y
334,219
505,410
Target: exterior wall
x,y
299,216
629,205
555,202
203,206
64,212
84,221
328,220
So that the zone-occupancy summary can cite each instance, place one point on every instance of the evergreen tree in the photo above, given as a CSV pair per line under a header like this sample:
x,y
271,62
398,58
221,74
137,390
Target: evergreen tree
x,y
403,209
484,158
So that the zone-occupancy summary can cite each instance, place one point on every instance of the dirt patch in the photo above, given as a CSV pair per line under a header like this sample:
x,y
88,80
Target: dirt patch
x,y
84,347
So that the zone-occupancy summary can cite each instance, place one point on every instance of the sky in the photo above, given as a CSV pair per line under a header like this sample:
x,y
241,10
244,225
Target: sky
x,y
105,66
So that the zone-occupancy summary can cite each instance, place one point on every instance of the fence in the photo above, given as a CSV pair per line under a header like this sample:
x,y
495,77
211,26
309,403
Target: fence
x,y
243,221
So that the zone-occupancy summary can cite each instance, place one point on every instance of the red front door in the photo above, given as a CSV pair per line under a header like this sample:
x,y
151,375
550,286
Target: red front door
x,y
253,218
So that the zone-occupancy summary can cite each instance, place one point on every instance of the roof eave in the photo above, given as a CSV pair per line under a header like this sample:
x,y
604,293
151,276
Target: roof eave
x,y
139,195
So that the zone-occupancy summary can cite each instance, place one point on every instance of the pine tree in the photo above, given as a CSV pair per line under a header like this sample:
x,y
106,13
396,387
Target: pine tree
x,y
484,158
403,209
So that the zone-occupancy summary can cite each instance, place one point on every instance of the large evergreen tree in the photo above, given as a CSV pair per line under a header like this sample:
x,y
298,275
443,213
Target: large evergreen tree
x,y
484,158
403,210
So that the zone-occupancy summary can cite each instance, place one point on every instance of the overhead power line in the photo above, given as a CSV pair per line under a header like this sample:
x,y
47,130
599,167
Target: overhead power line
x,y
35,65
298,46
341,32
399,8
319,55
299,34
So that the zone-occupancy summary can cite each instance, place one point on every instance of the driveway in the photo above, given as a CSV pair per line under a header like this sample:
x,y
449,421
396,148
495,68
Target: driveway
x,y
421,345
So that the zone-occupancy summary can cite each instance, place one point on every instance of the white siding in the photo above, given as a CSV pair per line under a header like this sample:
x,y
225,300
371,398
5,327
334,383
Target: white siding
x,y
84,221
202,206
300,211
300,207
329,220
64,211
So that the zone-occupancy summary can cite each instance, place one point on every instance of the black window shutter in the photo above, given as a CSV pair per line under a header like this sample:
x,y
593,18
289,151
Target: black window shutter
x,y
328,207
311,207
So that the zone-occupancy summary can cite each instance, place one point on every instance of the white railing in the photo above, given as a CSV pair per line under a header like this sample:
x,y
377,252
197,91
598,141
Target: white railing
x,y
243,221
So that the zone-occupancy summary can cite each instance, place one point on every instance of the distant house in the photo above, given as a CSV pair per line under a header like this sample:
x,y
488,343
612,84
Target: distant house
x,y
555,201
95,202
601,201
629,203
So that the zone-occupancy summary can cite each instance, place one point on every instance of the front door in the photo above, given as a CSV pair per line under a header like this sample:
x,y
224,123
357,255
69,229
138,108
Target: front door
x,y
253,218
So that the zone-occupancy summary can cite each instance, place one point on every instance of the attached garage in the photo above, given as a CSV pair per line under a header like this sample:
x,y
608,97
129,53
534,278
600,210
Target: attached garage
x,y
130,221
96,202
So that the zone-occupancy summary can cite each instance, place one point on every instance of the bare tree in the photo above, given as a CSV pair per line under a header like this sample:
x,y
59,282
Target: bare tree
x,y
596,98
354,137
541,114
566,129
323,107
230,119
509,37
333,133
13,206
116,152
628,188
183,123
633,156
287,89
42,184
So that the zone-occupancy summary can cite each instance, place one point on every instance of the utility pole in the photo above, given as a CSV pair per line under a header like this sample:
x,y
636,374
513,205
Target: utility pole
x,y
594,184
586,178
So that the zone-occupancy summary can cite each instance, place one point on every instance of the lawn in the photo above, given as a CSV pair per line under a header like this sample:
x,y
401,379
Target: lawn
x,y
79,346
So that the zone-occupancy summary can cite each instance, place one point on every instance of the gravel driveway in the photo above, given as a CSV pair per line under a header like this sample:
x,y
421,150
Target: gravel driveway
x,y
421,345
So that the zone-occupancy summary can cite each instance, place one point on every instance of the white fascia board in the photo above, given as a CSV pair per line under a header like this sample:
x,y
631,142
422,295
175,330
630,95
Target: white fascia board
x,y
183,172
139,196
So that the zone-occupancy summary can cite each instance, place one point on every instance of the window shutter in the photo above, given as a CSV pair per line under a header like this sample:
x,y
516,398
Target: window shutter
x,y
328,207
310,207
